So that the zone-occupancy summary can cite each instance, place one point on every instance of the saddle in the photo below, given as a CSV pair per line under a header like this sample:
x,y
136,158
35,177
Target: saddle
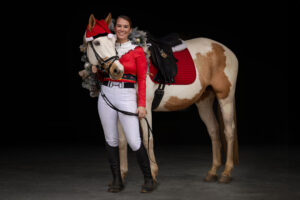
x,y
162,57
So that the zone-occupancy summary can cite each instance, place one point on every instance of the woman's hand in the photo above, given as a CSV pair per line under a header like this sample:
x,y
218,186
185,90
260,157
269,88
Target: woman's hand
x,y
141,111
94,69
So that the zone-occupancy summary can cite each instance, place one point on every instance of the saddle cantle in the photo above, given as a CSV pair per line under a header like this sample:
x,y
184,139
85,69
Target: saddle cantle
x,y
172,39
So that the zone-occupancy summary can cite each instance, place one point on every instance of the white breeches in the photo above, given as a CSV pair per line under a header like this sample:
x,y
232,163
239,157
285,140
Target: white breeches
x,y
124,99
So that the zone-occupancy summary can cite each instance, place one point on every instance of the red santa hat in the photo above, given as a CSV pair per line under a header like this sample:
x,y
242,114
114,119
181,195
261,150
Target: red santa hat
x,y
100,29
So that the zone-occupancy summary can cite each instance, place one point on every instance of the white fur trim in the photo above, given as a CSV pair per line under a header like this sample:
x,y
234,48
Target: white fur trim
x,y
110,35
89,39
124,48
179,47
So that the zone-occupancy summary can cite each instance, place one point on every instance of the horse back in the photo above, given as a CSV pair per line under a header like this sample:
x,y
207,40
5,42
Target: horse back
x,y
216,66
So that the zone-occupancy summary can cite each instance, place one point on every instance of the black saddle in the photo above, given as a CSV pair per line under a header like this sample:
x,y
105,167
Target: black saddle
x,y
172,39
162,57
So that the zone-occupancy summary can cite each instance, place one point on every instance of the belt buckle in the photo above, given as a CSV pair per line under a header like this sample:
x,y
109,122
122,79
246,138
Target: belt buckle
x,y
113,83
121,84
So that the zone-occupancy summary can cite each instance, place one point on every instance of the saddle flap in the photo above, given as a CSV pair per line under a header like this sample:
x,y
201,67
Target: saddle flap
x,y
163,59
186,71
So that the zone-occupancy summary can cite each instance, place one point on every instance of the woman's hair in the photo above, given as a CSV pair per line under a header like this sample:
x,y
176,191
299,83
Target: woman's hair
x,y
126,18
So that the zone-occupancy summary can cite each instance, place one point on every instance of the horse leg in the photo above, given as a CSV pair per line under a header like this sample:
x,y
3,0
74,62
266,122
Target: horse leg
x,y
149,148
205,109
227,107
123,152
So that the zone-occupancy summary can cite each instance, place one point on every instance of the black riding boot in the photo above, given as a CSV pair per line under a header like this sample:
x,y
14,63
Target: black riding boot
x,y
114,161
144,163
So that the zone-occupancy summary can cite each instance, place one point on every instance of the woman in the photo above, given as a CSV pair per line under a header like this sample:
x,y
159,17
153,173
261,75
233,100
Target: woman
x,y
122,94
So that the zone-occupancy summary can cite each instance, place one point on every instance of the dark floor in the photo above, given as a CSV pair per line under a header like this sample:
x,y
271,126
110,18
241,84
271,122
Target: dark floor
x,y
81,172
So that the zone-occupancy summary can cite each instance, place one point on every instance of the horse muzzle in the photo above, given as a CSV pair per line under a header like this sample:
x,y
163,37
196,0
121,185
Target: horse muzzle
x,y
115,72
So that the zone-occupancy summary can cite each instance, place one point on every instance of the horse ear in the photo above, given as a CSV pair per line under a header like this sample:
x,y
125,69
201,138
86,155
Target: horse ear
x,y
92,22
108,19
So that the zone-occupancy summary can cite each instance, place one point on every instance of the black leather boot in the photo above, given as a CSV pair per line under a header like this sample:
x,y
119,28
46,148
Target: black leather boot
x,y
144,163
114,161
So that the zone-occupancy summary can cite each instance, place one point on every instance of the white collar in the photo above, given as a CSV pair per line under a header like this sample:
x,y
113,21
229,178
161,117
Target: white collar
x,y
123,48
123,45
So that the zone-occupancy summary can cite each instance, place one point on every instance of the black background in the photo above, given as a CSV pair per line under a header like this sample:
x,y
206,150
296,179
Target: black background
x,y
48,104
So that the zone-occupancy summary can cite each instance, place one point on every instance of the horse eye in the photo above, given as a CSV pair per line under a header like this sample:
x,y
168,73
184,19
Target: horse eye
x,y
97,43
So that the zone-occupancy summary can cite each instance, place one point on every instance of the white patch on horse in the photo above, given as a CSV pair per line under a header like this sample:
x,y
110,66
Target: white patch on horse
x,y
231,68
179,47
180,91
199,45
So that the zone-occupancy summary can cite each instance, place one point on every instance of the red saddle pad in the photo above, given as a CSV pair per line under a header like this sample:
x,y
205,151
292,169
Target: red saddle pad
x,y
186,72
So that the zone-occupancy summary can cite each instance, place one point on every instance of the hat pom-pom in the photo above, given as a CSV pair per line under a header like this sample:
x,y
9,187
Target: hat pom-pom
x,y
110,35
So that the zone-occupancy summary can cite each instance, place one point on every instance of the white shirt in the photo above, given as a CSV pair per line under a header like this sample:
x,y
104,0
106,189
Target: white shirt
x,y
123,48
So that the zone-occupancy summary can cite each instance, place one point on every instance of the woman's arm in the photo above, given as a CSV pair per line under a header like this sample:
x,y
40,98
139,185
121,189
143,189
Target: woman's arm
x,y
141,72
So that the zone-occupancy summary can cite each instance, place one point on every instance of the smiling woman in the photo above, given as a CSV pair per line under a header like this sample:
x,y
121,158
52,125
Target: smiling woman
x,y
121,93
123,28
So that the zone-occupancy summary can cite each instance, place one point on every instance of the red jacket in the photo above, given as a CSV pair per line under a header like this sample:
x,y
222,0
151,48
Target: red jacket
x,y
135,63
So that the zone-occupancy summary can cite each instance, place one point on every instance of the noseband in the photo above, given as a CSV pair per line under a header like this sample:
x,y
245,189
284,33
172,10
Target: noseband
x,y
102,62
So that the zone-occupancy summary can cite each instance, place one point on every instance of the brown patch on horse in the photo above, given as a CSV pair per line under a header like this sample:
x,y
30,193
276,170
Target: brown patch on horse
x,y
206,93
92,22
211,73
175,103
211,68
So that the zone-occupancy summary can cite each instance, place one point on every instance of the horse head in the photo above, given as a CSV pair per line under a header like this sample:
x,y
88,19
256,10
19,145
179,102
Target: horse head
x,y
100,47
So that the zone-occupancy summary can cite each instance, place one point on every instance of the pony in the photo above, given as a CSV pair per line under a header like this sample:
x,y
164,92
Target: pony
x,y
216,74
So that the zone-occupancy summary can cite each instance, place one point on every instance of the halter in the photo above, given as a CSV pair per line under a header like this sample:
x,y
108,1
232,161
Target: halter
x,y
104,62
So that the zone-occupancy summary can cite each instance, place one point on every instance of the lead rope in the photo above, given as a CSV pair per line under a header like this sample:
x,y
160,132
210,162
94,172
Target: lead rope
x,y
107,100
127,113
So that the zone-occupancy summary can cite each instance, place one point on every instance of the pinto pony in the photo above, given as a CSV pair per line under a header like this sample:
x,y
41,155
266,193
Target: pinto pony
x,y
216,74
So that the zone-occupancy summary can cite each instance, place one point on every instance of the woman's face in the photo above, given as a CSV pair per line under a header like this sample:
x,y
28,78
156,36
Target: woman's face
x,y
122,29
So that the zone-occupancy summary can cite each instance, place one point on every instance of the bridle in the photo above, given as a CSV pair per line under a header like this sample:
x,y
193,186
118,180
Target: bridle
x,y
104,64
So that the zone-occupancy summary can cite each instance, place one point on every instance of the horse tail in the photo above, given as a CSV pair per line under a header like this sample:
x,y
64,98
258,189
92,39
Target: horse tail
x,y
223,138
235,144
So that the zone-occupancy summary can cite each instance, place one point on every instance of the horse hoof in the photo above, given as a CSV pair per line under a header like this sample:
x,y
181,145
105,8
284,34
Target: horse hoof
x,y
123,176
225,179
115,190
211,178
